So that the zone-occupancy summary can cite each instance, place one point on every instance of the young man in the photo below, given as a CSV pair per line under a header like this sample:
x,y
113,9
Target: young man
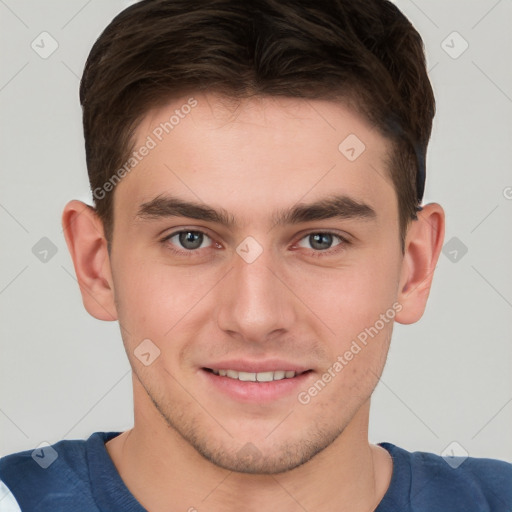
x,y
257,170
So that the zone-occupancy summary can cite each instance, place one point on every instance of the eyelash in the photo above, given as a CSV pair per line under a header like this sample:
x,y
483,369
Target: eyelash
x,y
315,253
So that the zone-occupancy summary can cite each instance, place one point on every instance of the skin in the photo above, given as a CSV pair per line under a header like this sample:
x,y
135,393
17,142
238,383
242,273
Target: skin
x,y
190,441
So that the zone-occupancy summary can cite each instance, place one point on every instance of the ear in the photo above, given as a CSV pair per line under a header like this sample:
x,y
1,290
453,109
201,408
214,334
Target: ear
x,y
423,245
86,241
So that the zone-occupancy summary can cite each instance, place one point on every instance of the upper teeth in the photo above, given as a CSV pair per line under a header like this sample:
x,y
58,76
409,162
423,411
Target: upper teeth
x,y
256,377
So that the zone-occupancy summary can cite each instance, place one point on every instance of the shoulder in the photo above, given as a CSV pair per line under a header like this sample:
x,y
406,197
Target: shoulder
x,y
8,502
454,483
45,463
50,475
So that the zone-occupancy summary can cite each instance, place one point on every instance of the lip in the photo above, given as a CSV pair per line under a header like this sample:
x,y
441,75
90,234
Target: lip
x,y
256,392
271,365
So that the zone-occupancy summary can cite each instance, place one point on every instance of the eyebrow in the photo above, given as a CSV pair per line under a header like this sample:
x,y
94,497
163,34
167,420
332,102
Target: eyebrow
x,y
331,207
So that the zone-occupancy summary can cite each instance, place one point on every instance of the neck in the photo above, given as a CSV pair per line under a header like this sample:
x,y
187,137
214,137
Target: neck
x,y
160,468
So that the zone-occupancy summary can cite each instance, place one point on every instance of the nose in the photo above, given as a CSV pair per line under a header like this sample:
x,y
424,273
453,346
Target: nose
x,y
256,303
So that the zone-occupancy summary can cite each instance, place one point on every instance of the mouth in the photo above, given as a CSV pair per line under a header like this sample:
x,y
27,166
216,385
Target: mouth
x,y
267,376
251,384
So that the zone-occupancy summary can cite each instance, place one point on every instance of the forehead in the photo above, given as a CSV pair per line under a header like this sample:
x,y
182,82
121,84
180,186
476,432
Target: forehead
x,y
252,155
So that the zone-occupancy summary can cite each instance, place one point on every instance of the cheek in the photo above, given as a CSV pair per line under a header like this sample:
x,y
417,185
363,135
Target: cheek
x,y
154,299
347,300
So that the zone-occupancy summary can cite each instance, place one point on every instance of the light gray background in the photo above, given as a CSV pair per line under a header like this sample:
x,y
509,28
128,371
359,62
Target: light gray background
x,y
448,378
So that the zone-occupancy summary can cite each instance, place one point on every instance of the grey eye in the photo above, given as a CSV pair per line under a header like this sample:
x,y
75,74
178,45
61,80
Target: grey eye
x,y
320,241
190,240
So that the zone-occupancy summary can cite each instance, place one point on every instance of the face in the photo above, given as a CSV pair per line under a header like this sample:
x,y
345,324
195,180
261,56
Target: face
x,y
257,252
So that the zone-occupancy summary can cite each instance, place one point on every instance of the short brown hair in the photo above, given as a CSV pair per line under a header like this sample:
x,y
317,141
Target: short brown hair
x,y
364,52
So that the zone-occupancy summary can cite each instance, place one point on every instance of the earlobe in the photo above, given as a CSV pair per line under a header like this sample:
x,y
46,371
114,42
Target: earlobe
x,y
87,245
422,249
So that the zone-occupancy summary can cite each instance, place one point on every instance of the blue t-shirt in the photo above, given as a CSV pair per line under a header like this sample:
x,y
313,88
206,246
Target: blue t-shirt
x,y
80,476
